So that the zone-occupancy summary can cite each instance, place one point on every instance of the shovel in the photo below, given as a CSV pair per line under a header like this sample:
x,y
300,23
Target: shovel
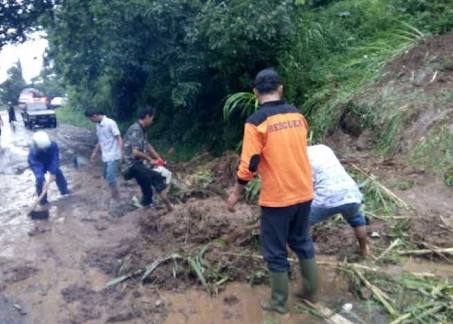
x,y
39,214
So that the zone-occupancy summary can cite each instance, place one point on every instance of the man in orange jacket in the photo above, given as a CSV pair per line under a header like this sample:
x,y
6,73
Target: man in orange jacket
x,y
275,148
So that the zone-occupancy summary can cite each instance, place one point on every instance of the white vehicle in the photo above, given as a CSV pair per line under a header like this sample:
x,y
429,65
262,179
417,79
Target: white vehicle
x,y
58,101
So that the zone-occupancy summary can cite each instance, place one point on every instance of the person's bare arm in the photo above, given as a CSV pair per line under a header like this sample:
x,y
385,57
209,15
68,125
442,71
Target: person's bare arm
x,y
95,151
120,142
153,153
119,139
142,156
235,196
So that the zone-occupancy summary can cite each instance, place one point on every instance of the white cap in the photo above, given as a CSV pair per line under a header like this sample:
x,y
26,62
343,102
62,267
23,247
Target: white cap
x,y
41,140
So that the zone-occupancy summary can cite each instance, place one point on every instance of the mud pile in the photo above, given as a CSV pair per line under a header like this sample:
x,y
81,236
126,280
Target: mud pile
x,y
195,230
197,221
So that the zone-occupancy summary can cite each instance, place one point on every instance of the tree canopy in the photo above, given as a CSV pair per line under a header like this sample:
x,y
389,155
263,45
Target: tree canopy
x,y
11,88
185,56
181,56
17,18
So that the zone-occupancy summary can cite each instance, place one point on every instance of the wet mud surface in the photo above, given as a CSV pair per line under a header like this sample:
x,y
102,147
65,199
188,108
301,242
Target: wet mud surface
x,y
60,275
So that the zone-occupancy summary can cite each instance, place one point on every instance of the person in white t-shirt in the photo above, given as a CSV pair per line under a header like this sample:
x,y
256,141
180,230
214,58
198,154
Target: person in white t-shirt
x,y
110,143
335,193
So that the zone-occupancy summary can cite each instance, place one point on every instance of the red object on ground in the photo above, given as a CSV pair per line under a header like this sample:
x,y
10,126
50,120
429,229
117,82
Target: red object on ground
x,y
160,162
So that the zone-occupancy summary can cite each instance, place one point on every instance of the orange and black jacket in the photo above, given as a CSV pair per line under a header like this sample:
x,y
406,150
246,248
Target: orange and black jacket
x,y
275,147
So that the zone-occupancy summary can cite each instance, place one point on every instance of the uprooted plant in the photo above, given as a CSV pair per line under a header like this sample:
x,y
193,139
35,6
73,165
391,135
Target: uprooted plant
x,y
208,264
426,298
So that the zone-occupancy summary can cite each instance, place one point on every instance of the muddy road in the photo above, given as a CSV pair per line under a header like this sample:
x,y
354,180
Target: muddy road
x,y
60,276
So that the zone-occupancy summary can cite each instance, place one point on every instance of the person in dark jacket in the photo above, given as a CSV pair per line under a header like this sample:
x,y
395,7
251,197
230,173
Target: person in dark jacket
x,y
1,125
143,163
12,116
44,157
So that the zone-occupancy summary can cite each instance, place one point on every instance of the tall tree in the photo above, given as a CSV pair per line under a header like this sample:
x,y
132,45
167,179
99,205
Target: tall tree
x,y
17,18
183,56
11,88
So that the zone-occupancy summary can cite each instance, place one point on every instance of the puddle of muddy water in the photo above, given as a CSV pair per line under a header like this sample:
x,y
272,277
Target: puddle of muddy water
x,y
11,312
421,267
240,303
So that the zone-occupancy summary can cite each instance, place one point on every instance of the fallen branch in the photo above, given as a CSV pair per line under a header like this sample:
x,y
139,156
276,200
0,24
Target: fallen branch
x,y
327,314
399,202
378,294
385,218
153,266
434,249
122,278
433,310
319,262
425,251
434,77
408,315
147,270
423,274
448,227
391,247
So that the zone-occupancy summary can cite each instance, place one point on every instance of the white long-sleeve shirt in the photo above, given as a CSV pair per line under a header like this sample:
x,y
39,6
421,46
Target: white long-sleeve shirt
x,y
332,184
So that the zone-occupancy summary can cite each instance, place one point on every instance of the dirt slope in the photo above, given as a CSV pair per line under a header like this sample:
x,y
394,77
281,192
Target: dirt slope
x,y
400,129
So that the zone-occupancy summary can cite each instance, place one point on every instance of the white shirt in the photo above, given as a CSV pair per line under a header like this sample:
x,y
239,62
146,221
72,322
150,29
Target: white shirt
x,y
332,185
107,131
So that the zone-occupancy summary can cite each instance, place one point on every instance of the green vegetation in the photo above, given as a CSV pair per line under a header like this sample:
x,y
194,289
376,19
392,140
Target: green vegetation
x,y
338,51
378,199
21,17
186,57
252,190
245,102
418,299
74,117
10,89
435,152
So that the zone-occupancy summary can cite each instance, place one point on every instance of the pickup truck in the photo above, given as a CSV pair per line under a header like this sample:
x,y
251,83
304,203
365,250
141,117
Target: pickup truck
x,y
38,114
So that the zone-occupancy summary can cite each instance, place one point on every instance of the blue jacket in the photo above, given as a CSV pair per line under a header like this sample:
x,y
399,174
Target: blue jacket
x,y
41,161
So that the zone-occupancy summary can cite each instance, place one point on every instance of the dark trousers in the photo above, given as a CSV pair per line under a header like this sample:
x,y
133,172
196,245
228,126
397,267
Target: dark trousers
x,y
59,178
146,179
285,225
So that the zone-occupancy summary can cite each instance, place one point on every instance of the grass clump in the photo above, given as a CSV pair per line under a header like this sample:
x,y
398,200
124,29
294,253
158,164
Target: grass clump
x,y
338,51
407,298
435,153
252,190
378,199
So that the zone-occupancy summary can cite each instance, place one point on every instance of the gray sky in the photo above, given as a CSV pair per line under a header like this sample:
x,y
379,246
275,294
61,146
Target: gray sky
x,y
29,53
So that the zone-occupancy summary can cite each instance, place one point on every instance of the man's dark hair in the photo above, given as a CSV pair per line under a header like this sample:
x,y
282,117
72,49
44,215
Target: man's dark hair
x,y
91,111
267,81
144,111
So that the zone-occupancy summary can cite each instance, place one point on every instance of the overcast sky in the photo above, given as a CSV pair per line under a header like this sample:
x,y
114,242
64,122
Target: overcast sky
x,y
29,53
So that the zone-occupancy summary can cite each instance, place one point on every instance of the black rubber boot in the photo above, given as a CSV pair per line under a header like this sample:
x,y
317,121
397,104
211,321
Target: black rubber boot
x,y
279,293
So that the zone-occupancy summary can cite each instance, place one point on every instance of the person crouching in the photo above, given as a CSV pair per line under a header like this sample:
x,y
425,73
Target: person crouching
x,y
43,158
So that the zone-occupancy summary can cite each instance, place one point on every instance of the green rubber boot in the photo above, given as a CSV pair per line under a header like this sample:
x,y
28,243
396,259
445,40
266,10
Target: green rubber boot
x,y
279,293
309,273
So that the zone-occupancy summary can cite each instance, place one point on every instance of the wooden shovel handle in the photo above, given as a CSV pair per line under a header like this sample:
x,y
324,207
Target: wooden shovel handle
x,y
44,191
